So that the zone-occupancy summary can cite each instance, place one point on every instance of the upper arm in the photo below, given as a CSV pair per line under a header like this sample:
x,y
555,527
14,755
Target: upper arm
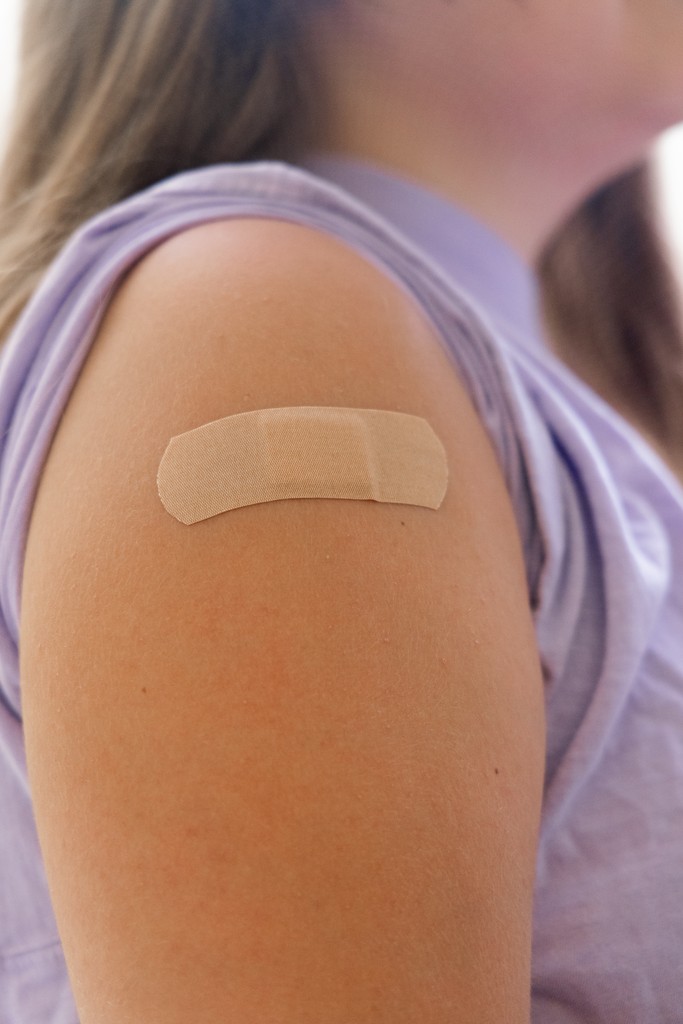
x,y
286,763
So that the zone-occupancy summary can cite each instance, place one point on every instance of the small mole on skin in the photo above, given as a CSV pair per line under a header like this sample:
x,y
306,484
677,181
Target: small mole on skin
x,y
144,689
497,771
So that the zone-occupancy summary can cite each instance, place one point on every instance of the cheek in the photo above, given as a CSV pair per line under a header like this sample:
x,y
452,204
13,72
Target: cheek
x,y
567,49
615,63
655,75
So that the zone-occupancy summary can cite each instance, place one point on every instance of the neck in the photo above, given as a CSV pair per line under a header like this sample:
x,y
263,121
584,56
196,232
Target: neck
x,y
518,188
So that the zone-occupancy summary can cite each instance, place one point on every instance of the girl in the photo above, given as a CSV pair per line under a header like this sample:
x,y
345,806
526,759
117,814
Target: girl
x,y
321,760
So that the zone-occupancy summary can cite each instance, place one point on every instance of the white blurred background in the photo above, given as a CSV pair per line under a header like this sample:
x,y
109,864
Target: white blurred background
x,y
671,179
9,25
670,150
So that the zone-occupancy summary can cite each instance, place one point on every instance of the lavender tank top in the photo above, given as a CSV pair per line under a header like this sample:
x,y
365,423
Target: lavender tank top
x,y
601,522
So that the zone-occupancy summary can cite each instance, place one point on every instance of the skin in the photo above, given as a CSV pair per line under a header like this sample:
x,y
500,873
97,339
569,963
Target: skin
x,y
515,109
267,790
287,765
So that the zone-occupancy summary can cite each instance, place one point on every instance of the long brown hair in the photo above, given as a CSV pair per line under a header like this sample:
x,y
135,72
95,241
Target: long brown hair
x,y
612,308
119,94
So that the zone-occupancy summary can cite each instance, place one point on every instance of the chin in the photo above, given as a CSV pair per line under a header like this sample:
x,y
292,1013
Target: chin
x,y
660,107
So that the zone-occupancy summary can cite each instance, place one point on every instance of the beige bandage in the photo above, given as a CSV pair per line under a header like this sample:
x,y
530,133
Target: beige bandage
x,y
307,452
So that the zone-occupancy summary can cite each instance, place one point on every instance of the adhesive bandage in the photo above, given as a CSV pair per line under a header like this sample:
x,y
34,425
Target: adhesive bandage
x,y
305,452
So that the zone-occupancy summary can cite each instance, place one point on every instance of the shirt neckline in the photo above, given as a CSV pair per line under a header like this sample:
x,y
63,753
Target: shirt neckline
x,y
475,257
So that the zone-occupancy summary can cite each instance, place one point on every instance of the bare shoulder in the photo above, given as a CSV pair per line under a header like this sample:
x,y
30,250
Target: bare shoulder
x,y
317,724
300,310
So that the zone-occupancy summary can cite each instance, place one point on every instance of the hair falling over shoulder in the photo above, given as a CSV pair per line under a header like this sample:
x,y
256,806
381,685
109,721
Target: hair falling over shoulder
x,y
117,95
612,309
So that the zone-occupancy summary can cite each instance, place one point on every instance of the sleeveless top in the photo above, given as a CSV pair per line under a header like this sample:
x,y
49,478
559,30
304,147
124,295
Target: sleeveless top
x,y
601,522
